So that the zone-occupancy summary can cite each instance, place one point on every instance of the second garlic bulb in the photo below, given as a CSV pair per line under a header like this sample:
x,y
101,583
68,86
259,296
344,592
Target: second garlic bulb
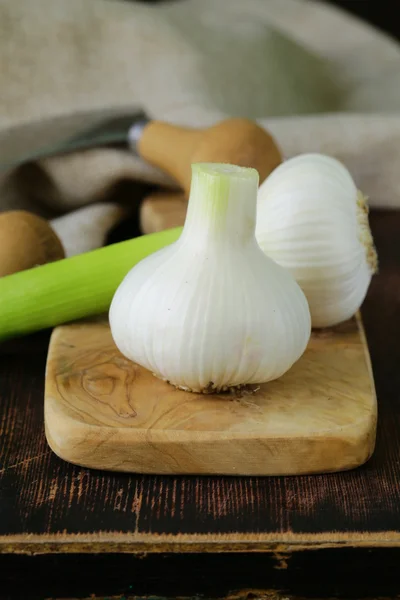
x,y
312,220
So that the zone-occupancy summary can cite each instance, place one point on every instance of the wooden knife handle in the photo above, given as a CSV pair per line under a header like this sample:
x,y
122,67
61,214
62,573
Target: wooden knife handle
x,y
237,141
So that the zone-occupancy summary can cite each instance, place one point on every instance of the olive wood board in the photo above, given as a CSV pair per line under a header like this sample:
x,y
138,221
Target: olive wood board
x,y
104,412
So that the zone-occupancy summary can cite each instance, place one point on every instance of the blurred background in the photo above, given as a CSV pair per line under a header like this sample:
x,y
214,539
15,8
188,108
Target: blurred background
x,y
361,76
380,14
377,12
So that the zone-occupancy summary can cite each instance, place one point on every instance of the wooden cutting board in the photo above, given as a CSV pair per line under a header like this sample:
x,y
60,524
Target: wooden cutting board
x,y
104,412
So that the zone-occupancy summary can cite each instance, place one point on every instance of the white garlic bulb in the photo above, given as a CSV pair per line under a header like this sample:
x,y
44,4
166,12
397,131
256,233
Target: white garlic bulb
x,y
313,221
211,311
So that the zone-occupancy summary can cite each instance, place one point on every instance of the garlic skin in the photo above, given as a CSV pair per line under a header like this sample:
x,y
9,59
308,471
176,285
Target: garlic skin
x,y
313,221
211,311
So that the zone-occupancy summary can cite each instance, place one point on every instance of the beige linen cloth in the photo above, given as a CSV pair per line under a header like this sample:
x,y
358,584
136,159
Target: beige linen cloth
x,y
319,79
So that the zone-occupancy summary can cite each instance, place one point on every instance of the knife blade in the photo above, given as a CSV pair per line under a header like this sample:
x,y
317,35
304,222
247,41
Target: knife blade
x,y
30,141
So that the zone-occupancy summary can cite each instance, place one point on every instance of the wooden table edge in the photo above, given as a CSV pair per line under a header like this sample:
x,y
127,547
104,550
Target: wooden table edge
x,y
153,544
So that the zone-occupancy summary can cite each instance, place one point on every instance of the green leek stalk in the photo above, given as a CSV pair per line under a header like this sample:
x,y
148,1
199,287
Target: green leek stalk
x,y
72,288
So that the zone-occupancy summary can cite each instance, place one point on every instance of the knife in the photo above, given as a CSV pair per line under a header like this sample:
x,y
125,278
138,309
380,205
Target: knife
x,y
170,148
62,134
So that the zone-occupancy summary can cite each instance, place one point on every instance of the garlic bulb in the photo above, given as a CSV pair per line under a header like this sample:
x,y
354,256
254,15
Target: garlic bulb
x,y
313,221
211,311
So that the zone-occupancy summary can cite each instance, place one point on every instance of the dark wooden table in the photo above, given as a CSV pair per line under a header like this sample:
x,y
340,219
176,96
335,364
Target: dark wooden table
x,y
73,532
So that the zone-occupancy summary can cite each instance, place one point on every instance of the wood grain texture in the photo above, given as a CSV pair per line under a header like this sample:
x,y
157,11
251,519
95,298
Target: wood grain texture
x,y
104,412
49,505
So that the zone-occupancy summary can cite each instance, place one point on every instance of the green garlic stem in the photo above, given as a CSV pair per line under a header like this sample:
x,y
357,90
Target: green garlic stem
x,y
222,204
72,288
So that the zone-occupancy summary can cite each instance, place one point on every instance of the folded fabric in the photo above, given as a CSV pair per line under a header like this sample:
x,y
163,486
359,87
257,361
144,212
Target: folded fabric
x,y
316,77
